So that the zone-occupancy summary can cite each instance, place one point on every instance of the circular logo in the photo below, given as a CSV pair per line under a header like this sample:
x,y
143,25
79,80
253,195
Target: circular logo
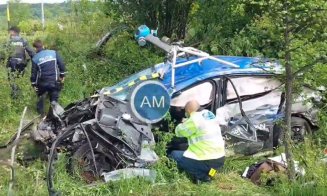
x,y
150,101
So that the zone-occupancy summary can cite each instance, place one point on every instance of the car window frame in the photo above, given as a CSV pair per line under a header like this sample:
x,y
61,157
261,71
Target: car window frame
x,y
213,95
225,82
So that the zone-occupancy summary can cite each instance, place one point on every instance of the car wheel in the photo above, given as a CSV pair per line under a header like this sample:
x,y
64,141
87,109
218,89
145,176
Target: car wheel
x,y
82,164
300,128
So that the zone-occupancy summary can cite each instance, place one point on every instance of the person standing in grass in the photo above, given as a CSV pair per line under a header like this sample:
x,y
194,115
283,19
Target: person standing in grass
x,y
47,75
17,61
18,47
206,148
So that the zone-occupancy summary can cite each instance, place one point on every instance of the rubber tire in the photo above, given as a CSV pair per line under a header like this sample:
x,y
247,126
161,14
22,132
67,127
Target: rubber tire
x,y
78,155
295,121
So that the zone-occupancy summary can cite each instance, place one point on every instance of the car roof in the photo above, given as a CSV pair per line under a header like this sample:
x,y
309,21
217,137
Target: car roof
x,y
186,76
195,72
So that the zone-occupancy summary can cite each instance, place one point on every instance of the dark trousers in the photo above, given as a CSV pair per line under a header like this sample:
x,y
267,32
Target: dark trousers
x,y
16,65
52,89
16,69
199,170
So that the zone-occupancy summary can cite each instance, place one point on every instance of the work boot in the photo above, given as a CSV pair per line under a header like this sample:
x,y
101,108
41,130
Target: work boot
x,y
54,104
57,109
201,181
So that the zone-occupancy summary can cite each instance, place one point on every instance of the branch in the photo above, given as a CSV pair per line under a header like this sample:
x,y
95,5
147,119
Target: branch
x,y
304,27
309,66
314,10
296,48
312,40
13,150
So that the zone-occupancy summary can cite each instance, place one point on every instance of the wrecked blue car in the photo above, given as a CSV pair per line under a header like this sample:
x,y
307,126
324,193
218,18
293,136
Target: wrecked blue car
x,y
244,93
103,133
247,98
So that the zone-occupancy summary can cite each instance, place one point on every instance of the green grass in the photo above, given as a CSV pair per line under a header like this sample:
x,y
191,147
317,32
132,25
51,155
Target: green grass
x,y
30,181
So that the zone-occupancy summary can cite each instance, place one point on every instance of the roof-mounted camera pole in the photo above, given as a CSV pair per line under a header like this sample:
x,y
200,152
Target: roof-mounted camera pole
x,y
144,35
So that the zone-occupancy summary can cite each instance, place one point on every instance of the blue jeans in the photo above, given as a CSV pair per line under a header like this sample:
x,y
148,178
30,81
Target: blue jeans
x,y
197,169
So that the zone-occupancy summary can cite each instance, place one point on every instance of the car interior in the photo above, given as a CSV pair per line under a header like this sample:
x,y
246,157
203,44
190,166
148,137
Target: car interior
x,y
202,92
255,93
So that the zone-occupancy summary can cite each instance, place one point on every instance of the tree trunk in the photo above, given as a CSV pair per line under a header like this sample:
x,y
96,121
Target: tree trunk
x,y
289,99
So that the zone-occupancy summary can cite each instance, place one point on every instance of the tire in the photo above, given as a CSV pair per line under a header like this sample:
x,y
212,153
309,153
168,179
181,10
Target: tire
x,y
82,165
300,128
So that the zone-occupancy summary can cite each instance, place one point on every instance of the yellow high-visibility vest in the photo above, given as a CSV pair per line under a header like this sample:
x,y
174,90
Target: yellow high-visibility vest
x,y
204,136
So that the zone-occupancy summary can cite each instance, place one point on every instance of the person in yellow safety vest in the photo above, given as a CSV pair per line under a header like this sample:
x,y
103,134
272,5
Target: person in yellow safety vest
x,y
205,154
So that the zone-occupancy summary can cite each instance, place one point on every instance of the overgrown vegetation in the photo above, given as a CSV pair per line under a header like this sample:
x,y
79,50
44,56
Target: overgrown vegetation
x,y
229,27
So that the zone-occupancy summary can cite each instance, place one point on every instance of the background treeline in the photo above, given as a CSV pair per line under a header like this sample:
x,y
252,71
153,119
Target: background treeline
x,y
28,16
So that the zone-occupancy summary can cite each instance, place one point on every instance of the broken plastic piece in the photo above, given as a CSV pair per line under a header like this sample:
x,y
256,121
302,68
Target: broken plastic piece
x,y
147,155
128,173
126,116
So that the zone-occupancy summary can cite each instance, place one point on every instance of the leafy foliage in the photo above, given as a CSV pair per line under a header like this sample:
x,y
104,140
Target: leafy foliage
x,y
169,16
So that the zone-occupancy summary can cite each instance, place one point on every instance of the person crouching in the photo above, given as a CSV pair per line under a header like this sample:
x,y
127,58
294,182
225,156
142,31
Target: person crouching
x,y
206,148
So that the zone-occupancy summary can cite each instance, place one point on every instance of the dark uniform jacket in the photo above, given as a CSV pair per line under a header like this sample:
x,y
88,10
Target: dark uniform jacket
x,y
47,67
18,46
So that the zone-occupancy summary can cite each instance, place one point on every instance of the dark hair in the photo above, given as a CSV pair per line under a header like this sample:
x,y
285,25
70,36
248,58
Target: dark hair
x,y
14,29
38,44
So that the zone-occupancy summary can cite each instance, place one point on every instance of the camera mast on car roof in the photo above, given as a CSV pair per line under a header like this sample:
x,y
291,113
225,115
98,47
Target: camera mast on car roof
x,y
174,51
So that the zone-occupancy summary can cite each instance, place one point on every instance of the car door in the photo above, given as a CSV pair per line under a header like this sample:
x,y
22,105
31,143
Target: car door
x,y
258,94
260,97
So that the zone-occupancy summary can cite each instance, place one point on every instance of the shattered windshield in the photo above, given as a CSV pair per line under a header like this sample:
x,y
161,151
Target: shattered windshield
x,y
124,84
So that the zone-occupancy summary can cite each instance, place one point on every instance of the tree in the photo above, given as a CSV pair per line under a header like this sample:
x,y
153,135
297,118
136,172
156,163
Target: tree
x,y
19,12
30,26
292,31
300,23
170,16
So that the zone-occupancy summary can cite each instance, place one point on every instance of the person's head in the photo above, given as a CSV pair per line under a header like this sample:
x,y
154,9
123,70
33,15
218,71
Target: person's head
x,y
14,31
38,45
191,106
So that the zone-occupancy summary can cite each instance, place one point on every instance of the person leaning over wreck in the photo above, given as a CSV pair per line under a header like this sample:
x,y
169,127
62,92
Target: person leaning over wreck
x,y
206,148
47,76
